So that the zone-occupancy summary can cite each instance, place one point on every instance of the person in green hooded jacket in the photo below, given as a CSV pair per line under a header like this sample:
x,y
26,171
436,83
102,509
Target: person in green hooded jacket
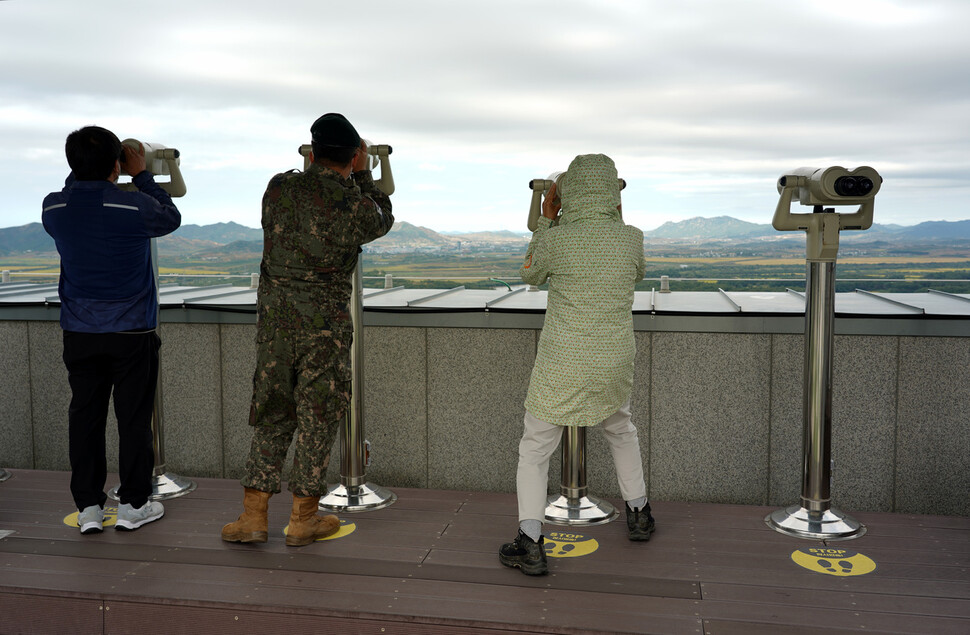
x,y
583,373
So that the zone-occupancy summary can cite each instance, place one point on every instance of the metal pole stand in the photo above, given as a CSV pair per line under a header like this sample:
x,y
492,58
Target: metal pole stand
x,y
573,507
815,517
354,493
4,475
165,485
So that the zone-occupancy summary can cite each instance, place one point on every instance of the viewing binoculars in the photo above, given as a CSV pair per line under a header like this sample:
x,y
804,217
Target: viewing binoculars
x,y
540,187
829,186
376,155
160,161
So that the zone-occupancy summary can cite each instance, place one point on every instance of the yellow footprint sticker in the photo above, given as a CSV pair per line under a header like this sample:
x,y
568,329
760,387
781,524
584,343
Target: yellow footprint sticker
x,y
564,544
834,561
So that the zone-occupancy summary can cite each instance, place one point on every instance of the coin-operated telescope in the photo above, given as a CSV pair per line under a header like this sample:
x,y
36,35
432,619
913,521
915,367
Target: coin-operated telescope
x,y
539,187
819,187
160,161
814,517
376,155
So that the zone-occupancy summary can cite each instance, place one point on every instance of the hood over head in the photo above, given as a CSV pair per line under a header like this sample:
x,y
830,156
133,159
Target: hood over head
x,y
590,190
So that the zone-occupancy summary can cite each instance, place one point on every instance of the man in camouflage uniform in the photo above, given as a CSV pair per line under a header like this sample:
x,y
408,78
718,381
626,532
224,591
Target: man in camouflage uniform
x,y
314,223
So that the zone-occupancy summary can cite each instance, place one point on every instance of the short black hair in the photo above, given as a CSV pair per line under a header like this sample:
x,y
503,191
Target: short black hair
x,y
330,155
91,152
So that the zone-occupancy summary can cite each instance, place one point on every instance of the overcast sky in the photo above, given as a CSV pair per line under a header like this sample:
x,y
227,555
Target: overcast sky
x,y
702,104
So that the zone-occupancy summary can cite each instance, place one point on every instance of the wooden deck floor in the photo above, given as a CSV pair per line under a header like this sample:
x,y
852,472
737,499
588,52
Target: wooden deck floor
x,y
428,564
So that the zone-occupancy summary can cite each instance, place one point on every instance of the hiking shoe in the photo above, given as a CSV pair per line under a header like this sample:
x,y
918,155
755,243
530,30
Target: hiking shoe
x,y
639,522
90,520
130,518
526,554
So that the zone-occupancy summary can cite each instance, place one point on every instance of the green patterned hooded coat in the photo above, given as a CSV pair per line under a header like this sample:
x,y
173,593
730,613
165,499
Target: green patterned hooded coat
x,y
584,368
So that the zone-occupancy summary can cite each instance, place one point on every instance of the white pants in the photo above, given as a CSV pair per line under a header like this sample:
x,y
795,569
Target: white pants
x,y
540,440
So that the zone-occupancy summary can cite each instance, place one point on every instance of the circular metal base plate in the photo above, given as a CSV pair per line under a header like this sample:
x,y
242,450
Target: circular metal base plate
x,y
362,498
4,475
586,510
799,522
164,487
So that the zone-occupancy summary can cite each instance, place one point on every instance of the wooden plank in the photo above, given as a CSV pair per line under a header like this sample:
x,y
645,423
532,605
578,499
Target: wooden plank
x,y
395,561
826,618
44,613
958,545
912,520
795,578
739,627
877,602
191,620
113,578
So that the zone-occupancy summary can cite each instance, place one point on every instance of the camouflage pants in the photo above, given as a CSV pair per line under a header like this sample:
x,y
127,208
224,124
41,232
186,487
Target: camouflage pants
x,y
301,388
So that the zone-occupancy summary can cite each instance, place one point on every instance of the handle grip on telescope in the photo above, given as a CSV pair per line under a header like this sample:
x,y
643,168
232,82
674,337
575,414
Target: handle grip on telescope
x,y
382,153
538,187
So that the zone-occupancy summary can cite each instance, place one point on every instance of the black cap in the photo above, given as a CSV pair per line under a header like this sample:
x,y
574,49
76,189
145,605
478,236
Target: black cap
x,y
333,129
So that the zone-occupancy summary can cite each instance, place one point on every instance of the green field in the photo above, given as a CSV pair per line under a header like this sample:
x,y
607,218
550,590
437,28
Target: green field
x,y
888,273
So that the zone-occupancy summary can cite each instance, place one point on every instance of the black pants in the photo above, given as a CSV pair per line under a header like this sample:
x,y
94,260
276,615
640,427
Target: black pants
x,y
96,364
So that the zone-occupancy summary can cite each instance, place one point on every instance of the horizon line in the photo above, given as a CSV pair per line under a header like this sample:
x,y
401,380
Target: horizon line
x,y
526,232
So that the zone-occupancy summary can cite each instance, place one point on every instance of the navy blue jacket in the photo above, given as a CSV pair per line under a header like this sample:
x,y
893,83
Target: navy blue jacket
x,y
103,236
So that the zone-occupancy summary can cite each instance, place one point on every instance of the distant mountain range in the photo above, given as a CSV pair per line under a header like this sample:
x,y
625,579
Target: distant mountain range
x,y
404,237
726,227
221,233
719,227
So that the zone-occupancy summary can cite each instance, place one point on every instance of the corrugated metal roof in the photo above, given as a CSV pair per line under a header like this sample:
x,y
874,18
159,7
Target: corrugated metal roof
x,y
523,298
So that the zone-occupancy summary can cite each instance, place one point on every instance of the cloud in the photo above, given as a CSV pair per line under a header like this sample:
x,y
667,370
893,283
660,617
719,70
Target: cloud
x,y
702,103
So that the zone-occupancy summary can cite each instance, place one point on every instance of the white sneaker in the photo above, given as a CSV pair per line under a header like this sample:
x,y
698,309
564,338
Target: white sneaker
x,y
91,519
130,518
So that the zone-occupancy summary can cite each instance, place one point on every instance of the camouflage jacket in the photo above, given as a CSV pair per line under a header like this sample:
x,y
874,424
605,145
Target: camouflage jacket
x,y
314,223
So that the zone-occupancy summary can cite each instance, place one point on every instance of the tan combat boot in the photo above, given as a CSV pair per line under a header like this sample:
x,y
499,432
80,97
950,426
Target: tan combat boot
x,y
252,524
305,525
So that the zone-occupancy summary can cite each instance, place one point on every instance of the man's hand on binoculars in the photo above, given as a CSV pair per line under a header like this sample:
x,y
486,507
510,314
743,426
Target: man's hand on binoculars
x,y
551,204
134,163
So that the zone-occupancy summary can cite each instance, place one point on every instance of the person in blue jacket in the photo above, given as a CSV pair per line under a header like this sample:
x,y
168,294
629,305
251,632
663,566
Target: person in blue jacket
x,y
109,309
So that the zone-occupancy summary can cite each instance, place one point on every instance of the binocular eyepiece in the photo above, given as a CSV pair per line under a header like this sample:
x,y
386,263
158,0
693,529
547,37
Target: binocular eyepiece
x,y
848,186
853,185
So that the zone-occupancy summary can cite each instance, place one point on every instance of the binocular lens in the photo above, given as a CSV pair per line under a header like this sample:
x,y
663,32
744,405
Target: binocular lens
x,y
853,185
